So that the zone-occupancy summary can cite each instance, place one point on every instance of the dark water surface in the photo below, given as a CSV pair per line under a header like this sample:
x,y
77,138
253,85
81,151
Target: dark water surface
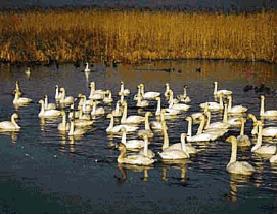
x,y
42,171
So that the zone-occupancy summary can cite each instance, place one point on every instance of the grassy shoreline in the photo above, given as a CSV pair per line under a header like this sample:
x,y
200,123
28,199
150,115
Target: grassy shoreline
x,y
130,36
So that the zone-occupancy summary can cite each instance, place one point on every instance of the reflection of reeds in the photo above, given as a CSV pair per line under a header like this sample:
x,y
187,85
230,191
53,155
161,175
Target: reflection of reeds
x,y
70,35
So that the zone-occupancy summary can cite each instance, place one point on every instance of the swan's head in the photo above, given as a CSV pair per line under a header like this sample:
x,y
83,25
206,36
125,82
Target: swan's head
x,y
253,118
243,120
41,101
109,116
15,116
262,97
158,98
121,83
189,118
123,129
145,137
92,84
147,114
167,84
121,147
231,139
216,83
57,87
62,90
183,136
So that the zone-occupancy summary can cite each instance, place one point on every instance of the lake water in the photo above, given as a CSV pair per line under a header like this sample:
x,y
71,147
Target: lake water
x,y
43,171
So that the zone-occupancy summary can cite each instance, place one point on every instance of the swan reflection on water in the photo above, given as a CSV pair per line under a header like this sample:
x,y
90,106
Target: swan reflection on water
x,y
235,182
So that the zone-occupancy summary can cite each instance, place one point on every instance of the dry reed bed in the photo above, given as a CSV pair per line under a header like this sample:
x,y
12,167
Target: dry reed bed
x,y
71,35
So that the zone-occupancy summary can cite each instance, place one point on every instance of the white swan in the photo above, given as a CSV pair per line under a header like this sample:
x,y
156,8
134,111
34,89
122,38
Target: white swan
x,y
58,94
65,99
10,125
147,130
138,93
123,91
63,126
266,114
158,125
216,125
47,113
167,89
21,100
184,97
97,111
108,97
243,139
17,89
237,109
148,95
238,167
131,119
48,106
96,94
75,131
111,129
145,151
200,137
218,92
136,159
176,106
213,106
131,144
141,102
117,112
265,149
173,153
87,69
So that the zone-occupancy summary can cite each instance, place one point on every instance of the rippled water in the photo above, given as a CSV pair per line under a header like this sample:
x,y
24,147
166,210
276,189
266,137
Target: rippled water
x,y
43,171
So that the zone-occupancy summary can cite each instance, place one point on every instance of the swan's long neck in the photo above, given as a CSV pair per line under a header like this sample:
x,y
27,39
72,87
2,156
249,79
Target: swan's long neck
x,y
201,126
94,107
229,103
14,122
122,88
158,110
185,92
117,109
242,128
146,122
225,114
167,89
142,90
166,140
57,92
221,102
260,135
122,155
72,125
162,118
122,98
208,120
46,102
189,133
124,115
183,142
262,107
145,148
124,137
215,87
110,124
64,119
234,152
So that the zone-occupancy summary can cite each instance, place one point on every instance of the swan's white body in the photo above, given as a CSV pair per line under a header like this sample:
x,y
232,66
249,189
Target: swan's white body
x,y
117,129
130,119
10,125
238,167
263,149
97,111
123,91
47,113
75,131
213,106
184,97
131,144
219,92
266,114
237,109
137,159
200,137
21,100
117,112
176,106
67,100
96,94
148,95
242,139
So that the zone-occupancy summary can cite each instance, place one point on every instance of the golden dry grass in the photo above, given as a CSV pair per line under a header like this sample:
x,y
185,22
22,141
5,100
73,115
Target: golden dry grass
x,y
70,35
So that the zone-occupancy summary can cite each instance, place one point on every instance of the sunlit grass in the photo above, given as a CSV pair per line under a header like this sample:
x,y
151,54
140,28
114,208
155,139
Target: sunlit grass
x,y
70,35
